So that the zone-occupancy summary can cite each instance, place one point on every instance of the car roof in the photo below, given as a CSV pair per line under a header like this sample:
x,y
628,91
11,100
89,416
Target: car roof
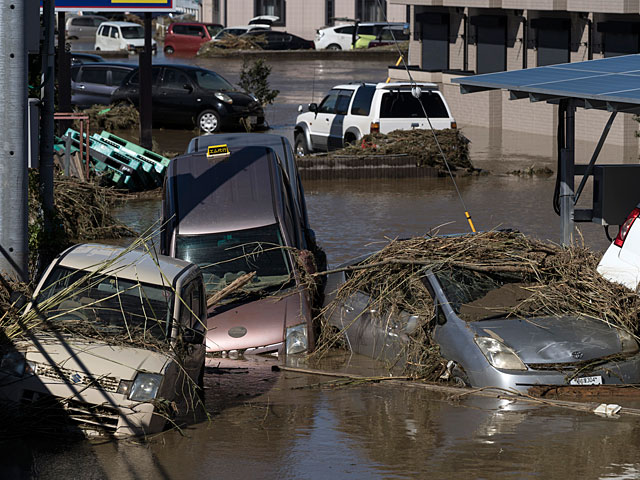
x,y
130,66
132,264
121,24
231,194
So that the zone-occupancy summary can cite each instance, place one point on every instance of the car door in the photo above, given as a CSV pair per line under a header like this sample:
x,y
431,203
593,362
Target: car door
x,y
337,128
321,125
176,99
102,37
192,325
91,86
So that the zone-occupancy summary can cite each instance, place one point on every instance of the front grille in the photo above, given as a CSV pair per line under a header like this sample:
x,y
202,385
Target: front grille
x,y
74,377
582,366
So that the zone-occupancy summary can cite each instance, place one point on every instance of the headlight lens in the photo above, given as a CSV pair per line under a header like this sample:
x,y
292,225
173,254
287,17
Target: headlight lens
x,y
255,99
297,339
223,97
627,342
499,355
13,363
145,387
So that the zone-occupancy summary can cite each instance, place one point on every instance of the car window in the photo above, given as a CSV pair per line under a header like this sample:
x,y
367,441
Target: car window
x,y
345,30
180,29
212,81
328,104
195,30
97,21
391,35
213,29
135,78
82,22
104,31
342,104
404,105
74,73
94,75
366,30
174,79
114,33
132,32
117,75
362,101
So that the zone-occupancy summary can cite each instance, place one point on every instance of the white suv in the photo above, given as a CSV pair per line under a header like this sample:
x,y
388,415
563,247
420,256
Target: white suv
x,y
351,111
121,36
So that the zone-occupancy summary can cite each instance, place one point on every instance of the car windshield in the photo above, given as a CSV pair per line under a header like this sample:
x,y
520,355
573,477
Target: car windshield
x,y
224,257
106,305
480,296
213,29
212,81
132,32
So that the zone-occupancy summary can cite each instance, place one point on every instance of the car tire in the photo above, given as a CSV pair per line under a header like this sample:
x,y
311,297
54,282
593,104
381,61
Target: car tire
x,y
349,139
209,121
169,50
97,49
300,145
334,46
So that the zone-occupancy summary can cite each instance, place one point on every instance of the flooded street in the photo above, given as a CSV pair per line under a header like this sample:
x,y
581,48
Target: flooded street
x,y
267,424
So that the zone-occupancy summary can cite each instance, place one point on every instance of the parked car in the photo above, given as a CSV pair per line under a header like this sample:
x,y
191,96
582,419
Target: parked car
x,y
235,213
94,83
186,95
261,22
83,26
188,37
272,40
350,111
484,346
621,262
127,36
390,35
80,58
343,37
124,332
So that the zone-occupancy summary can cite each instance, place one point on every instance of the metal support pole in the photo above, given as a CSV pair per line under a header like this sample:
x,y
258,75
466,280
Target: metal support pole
x,y
14,251
46,123
567,162
64,74
144,61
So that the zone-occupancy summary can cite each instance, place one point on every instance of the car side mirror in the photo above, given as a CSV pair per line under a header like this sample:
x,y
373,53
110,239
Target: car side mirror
x,y
313,107
117,35
188,87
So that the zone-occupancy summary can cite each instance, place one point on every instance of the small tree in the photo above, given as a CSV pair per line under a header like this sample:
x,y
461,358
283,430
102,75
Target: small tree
x,y
254,78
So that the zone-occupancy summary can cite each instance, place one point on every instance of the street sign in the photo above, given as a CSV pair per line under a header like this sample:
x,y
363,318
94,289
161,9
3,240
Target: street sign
x,y
115,5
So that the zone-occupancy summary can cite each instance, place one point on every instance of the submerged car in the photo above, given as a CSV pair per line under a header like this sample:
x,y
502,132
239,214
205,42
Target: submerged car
x,y
621,262
185,95
484,345
121,340
272,40
188,37
233,209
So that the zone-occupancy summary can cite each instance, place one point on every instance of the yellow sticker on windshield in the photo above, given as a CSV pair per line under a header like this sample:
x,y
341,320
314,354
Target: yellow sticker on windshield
x,y
217,150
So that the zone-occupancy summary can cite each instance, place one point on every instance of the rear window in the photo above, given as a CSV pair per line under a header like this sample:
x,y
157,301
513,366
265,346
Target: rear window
x,y
345,30
362,101
404,105
95,75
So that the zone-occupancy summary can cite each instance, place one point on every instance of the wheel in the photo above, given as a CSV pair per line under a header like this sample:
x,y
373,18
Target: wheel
x,y
169,50
301,145
97,49
334,46
349,139
209,121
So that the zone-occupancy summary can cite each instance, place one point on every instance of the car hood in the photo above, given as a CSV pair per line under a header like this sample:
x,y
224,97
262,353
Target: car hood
x,y
255,324
86,357
553,339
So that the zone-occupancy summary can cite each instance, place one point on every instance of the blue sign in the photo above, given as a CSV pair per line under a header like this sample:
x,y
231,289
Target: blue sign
x,y
115,5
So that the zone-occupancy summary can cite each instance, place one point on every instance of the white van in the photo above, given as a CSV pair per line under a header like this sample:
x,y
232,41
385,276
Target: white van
x,y
114,36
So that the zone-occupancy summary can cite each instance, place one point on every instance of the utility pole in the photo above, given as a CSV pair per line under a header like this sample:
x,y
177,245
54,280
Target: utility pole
x,y
13,154
64,73
144,62
46,117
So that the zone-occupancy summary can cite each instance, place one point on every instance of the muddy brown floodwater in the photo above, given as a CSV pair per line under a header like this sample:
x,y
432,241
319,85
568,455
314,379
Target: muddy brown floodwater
x,y
267,425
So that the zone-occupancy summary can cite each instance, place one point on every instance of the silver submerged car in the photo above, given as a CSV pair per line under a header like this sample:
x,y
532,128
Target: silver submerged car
x,y
487,347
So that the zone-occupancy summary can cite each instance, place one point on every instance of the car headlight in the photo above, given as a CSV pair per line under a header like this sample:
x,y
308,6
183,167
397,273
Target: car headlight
x,y
223,97
145,387
14,363
498,354
255,99
297,339
627,342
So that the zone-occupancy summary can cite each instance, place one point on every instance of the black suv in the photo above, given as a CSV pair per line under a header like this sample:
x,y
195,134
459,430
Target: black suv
x,y
184,95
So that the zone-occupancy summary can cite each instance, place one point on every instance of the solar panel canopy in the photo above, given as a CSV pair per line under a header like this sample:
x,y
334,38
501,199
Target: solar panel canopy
x,y
611,83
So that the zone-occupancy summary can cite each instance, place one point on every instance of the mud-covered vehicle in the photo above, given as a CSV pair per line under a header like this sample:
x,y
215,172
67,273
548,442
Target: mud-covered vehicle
x,y
118,340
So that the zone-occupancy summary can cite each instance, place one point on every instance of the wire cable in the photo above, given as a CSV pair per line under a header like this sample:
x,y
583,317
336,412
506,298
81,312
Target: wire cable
x,y
414,87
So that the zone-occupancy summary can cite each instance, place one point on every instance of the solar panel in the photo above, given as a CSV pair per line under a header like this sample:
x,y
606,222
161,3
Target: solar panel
x,y
615,79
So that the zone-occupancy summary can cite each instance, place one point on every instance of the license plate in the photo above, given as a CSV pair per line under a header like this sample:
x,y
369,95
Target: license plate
x,y
253,119
595,380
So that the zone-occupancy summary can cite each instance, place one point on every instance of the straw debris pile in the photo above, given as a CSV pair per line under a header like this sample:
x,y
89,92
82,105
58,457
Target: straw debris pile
x,y
112,117
560,281
418,144
229,44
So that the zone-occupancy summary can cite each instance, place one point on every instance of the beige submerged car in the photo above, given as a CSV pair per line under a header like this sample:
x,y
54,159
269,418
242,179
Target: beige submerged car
x,y
121,341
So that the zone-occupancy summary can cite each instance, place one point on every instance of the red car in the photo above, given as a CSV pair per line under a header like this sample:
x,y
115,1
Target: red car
x,y
188,37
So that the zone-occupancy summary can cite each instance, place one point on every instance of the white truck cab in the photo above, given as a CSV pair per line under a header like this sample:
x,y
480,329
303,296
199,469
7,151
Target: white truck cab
x,y
349,112
118,340
621,261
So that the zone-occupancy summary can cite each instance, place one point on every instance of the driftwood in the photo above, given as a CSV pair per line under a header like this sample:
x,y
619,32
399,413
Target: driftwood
x,y
237,284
